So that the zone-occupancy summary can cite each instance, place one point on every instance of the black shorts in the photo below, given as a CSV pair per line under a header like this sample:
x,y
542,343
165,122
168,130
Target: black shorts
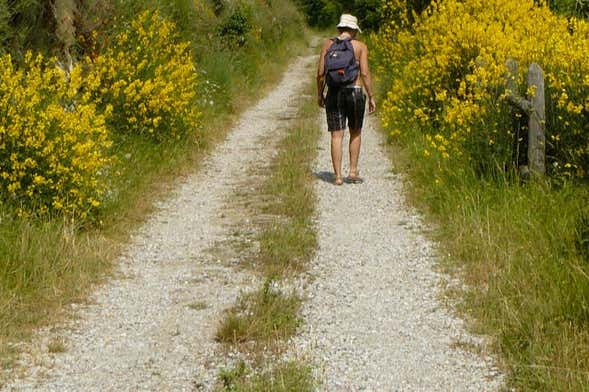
x,y
342,103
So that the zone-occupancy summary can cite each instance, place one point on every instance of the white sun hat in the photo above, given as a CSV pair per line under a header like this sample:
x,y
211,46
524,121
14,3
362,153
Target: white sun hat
x,y
347,20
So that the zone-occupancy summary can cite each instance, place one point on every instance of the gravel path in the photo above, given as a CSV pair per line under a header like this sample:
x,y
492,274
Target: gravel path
x,y
153,329
374,320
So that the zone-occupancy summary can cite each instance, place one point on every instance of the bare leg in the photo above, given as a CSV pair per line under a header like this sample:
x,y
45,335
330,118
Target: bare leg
x,y
355,141
336,153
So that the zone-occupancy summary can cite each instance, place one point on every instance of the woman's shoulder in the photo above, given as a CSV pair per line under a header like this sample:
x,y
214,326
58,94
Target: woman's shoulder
x,y
358,44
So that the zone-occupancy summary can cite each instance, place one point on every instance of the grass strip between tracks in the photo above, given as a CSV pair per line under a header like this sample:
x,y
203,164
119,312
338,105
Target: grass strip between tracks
x,y
261,322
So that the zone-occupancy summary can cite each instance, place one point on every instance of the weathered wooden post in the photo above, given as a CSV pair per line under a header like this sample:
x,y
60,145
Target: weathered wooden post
x,y
537,125
534,107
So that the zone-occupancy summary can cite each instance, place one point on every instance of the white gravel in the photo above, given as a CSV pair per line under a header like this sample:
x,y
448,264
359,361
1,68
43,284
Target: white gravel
x,y
374,320
141,333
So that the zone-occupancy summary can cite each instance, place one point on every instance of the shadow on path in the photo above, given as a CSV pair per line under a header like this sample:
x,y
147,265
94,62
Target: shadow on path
x,y
325,176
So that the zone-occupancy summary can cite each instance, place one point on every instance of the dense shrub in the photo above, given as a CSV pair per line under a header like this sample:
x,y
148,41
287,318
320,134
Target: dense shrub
x,y
51,27
447,79
322,13
236,26
53,144
578,8
147,80
371,14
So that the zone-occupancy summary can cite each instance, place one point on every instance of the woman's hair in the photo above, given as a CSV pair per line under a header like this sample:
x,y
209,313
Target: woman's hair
x,y
347,30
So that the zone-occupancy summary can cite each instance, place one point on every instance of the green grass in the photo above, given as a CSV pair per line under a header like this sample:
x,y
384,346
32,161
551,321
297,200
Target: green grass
x,y
290,376
522,250
289,242
56,346
269,316
263,316
285,248
42,266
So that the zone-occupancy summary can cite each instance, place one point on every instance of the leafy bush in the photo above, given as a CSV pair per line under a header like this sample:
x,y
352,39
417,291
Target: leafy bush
x,y
579,8
49,26
448,79
53,144
321,13
147,80
235,27
326,13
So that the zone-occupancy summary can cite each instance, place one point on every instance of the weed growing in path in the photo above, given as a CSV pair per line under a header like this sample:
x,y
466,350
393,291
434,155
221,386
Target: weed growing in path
x,y
263,316
290,376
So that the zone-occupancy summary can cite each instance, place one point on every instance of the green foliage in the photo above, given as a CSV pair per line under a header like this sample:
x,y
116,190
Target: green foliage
x,y
577,8
50,26
370,13
262,316
322,13
26,24
288,376
235,27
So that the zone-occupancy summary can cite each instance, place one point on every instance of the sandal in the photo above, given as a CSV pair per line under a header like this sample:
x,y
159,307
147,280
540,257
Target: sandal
x,y
354,179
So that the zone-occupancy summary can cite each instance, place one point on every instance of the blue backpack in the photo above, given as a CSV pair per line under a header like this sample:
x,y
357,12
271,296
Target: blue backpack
x,y
341,67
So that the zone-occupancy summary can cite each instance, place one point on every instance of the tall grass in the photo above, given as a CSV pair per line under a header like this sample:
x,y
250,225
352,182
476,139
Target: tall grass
x,y
522,251
43,265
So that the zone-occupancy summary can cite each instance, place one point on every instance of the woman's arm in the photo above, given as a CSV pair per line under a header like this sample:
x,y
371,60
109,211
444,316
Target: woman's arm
x,y
321,73
366,78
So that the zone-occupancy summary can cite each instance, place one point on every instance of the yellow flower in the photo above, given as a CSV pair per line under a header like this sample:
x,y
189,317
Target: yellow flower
x,y
54,141
447,76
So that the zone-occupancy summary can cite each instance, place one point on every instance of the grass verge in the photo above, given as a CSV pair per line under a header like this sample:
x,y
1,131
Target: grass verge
x,y
267,317
522,251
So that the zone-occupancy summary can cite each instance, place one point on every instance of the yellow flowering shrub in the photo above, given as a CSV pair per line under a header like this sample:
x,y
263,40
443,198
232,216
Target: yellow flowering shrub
x,y
445,76
53,144
148,77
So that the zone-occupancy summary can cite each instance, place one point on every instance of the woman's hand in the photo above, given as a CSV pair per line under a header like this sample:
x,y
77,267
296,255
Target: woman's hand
x,y
371,105
321,101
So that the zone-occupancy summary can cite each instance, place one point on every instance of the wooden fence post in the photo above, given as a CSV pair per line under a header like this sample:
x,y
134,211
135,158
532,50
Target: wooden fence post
x,y
537,125
534,107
